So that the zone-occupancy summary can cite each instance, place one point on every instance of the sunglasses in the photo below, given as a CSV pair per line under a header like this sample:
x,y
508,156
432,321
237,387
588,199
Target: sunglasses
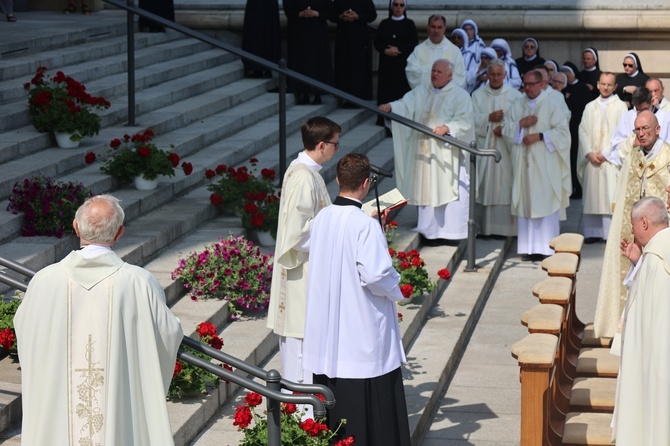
x,y
628,65
399,5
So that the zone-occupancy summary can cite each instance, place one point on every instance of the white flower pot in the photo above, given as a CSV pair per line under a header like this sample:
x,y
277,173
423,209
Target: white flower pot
x,y
64,142
142,183
265,238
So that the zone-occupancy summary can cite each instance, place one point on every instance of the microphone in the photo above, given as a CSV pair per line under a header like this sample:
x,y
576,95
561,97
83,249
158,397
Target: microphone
x,y
379,171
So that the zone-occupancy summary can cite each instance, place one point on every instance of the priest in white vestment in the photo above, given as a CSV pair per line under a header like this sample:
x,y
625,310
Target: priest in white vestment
x,y
539,134
352,337
623,140
96,343
437,46
431,174
303,195
646,172
599,176
642,405
658,100
494,180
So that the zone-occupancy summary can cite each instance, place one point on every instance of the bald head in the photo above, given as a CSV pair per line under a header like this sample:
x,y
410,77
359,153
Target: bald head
x,y
648,216
646,130
99,221
655,87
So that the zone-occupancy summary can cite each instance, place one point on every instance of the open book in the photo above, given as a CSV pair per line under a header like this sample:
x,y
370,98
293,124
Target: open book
x,y
390,200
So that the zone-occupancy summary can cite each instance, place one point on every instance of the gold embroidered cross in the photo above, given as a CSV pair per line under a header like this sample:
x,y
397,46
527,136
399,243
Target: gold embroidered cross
x,y
282,307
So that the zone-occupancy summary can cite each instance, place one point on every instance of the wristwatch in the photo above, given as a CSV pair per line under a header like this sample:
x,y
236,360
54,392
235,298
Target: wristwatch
x,y
541,136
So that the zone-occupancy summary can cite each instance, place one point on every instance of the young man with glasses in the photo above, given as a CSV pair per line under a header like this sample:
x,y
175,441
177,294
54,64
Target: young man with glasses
x,y
303,195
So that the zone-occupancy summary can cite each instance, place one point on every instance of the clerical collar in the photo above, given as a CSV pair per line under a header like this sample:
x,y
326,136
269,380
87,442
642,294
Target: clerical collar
x,y
347,201
654,150
307,160
634,74
530,59
90,251
606,100
397,19
593,68
435,45
573,83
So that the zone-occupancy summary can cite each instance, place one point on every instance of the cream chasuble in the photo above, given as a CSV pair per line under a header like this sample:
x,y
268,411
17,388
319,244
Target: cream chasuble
x,y
599,183
494,180
303,195
640,176
542,184
642,407
97,347
427,170
420,62
623,139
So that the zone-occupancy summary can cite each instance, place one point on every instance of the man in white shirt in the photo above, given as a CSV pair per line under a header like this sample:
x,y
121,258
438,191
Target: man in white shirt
x,y
352,338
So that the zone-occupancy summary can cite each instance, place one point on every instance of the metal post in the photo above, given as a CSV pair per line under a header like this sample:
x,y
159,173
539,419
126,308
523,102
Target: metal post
x,y
273,379
282,121
471,267
131,66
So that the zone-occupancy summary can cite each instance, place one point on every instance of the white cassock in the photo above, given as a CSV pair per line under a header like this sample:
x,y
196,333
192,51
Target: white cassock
x,y
642,407
624,138
664,105
641,175
352,325
303,195
420,62
599,183
97,347
494,180
432,174
541,171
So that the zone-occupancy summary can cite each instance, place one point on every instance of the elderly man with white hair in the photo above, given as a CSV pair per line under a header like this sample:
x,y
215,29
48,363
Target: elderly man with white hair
x,y
494,180
429,173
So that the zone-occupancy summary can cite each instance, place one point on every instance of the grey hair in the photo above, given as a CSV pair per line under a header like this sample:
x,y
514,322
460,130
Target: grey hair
x,y
560,75
496,63
450,66
100,218
653,208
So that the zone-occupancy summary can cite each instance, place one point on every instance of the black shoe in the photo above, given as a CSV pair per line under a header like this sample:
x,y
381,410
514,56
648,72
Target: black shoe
x,y
533,257
316,100
591,240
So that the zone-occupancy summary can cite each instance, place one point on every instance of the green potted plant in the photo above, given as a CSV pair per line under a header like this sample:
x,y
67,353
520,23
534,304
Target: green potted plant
x,y
61,106
232,185
260,214
7,333
137,158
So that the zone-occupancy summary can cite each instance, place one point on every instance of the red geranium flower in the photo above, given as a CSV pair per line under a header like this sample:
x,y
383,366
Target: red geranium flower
x,y
7,338
221,168
174,159
144,152
253,160
178,367
405,265
392,224
406,290
349,441
399,317
89,158
289,408
216,200
250,208
205,329
391,252
416,261
216,342
253,399
401,255
257,220
413,253
209,174
188,168
242,417
268,174
313,428
116,142
444,274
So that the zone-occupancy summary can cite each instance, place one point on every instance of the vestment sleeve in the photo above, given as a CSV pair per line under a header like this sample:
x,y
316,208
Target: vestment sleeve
x,y
374,264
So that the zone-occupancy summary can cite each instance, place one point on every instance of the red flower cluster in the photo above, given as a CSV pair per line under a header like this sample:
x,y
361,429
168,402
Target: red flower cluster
x,y
221,168
406,290
400,317
268,174
391,224
188,168
242,417
178,367
349,441
253,399
210,173
7,338
207,332
144,152
444,274
313,428
89,158
174,159
216,200
116,142
289,408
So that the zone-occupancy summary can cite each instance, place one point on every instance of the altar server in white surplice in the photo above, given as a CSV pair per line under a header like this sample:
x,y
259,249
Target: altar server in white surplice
x,y
538,130
435,47
599,176
494,180
431,174
352,336
97,344
642,405
303,195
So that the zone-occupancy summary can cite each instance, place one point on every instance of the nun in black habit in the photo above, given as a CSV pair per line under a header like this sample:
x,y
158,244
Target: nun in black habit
x,y
631,79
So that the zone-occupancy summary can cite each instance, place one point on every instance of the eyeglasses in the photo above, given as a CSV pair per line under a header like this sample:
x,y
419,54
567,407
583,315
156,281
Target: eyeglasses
x,y
529,47
558,82
335,143
399,5
530,84
645,129
628,65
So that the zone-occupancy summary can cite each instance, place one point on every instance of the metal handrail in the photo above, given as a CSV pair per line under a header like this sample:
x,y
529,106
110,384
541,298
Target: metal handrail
x,y
284,72
272,391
